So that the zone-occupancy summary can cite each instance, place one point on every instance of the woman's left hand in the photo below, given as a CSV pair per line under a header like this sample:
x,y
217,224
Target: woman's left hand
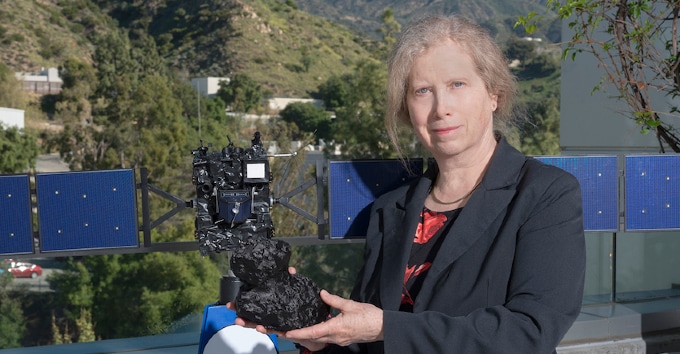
x,y
356,323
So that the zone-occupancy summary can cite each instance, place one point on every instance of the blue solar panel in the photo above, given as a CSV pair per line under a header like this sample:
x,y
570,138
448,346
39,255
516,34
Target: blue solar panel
x,y
598,177
653,192
87,210
354,185
16,235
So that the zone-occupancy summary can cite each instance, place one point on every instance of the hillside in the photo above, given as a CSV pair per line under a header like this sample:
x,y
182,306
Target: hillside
x,y
285,49
35,34
279,44
364,15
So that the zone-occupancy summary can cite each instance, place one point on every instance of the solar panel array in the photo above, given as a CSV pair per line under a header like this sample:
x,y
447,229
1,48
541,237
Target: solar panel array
x,y
74,211
98,210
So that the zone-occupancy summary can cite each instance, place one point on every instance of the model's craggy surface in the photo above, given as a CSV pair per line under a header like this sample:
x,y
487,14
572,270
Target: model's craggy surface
x,y
269,294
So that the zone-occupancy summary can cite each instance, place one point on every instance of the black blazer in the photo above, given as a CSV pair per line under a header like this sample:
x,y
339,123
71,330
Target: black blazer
x,y
508,277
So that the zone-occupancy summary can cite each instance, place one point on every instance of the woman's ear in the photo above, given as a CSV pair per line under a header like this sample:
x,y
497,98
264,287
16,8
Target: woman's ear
x,y
494,102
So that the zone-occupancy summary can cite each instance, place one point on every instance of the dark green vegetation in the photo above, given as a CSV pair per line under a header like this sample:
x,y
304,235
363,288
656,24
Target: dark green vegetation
x,y
127,103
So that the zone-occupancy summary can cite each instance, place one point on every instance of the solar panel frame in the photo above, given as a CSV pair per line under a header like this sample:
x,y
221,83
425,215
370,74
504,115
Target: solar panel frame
x,y
599,180
354,185
87,210
16,228
652,192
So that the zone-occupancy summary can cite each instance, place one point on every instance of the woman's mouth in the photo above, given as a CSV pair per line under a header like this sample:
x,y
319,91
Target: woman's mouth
x,y
446,130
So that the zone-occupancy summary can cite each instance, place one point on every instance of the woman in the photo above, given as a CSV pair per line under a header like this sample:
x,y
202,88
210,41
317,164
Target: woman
x,y
483,254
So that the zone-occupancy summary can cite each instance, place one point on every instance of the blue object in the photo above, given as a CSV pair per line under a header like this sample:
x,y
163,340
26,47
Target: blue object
x,y
87,210
653,192
219,335
599,180
354,185
16,235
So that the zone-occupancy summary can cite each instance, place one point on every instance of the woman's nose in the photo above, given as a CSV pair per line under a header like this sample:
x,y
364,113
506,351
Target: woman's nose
x,y
443,105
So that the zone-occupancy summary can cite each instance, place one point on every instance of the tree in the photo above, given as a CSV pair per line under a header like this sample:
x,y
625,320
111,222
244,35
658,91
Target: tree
x,y
309,118
241,93
18,150
542,65
156,137
12,322
359,124
152,289
335,91
390,31
11,95
640,55
307,58
73,103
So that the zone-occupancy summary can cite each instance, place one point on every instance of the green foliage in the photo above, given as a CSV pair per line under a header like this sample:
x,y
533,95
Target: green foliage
x,y
57,337
157,136
11,95
542,65
309,118
18,150
307,59
153,290
127,116
389,30
73,103
335,91
85,327
624,37
12,321
241,93
116,73
214,125
358,126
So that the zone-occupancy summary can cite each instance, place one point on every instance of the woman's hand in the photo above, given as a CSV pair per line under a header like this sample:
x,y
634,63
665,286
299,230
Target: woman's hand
x,y
260,328
356,323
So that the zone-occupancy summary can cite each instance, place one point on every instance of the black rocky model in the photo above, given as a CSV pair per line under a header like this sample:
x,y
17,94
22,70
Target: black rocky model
x,y
233,204
270,295
232,196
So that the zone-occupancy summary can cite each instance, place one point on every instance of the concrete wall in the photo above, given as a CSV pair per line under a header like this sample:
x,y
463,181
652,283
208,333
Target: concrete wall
x,y
10,117
594,122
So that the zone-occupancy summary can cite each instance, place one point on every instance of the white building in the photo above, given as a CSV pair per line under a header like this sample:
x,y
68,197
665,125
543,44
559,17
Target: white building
x,y
10,117
208,86
278,104
43,82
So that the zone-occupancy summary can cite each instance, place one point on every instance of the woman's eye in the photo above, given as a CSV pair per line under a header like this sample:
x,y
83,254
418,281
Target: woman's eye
x,y
458,84
422,91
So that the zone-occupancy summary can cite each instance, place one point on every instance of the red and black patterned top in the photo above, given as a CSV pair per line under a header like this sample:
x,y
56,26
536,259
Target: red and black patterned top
x,y
426,244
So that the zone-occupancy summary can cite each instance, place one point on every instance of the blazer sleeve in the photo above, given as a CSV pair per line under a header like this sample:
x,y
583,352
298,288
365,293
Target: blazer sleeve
x,y
544,291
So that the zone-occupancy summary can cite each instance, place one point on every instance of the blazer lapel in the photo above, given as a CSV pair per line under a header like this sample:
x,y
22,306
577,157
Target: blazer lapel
x,y
398,240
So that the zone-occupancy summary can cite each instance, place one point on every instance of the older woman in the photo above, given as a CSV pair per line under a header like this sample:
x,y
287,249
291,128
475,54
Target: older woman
x,y
483,254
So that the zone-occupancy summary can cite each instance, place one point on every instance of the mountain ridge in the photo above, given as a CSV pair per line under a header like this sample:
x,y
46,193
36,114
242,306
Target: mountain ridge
x,y
289,47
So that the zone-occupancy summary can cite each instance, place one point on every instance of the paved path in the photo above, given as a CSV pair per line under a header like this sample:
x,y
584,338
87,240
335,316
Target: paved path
x,y
50,163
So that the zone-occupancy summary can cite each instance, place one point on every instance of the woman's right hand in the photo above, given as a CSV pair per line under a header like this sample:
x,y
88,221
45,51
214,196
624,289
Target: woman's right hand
x,y
249,324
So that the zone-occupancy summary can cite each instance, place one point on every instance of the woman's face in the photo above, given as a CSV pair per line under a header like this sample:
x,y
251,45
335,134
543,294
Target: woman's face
x,y
449,105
